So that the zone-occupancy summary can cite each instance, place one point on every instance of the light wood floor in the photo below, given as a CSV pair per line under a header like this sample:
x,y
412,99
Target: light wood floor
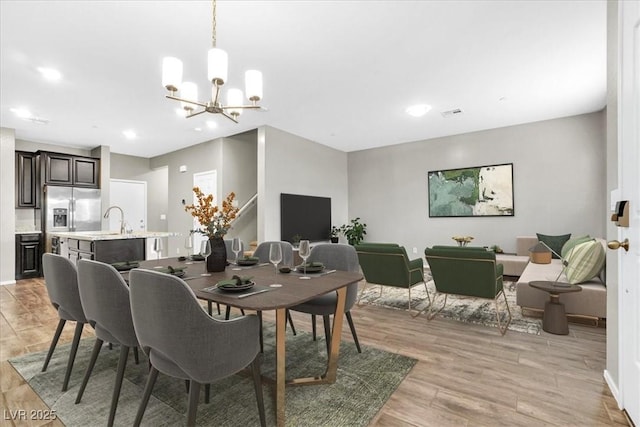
x,y
466,375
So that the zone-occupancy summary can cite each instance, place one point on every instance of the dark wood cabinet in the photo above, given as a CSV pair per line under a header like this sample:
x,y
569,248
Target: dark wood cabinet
x,y
108,251
66,169
27,188
28,256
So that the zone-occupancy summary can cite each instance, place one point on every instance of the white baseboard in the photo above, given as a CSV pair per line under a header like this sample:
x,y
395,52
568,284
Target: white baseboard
x,y
614,388
8,282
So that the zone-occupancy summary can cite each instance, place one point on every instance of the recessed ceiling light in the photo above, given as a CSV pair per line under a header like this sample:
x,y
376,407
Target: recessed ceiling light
x,y
129,134
50,73
211,124
418,110
21,112
198,129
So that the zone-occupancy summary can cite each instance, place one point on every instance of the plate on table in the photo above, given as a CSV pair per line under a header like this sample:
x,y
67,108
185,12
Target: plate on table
x,y
178,272
312,267
248,261
125,265
232,285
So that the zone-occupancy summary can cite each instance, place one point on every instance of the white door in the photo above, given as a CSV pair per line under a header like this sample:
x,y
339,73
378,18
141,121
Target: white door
x,y
131,196
629,179
208,184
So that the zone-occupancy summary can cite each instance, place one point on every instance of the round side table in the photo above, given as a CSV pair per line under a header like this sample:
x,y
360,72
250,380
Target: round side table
x,y
554,319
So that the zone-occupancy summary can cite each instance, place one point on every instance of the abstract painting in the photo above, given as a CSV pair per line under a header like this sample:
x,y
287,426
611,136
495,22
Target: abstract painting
x,y
475,191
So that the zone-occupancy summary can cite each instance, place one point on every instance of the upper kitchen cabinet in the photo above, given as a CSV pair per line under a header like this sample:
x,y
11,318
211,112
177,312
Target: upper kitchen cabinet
x,y
65,169
26,180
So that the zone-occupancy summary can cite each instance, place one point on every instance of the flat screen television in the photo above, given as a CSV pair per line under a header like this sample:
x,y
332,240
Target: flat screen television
x,y
304,218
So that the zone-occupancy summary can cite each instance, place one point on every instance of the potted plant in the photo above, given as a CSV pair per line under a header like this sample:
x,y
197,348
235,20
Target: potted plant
x,y
354,231
335,234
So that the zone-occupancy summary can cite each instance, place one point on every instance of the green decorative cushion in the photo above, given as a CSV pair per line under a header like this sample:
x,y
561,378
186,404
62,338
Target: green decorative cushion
x,y
585,261
554,242
571,243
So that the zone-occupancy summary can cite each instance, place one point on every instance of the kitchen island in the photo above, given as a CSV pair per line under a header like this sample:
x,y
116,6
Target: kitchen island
x,y
105,246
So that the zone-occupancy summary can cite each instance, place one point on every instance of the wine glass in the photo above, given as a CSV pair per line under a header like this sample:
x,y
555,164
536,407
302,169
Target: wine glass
x,y
157,246
205,249
235,247
304,251
275,255
188,245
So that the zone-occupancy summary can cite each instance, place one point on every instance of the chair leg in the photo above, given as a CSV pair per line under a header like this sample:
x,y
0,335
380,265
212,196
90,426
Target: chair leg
x,y
122,363
353,330
54,342
227,313
259,313
72,355
92,362
313,325
257,384
136,357
194,396
207,393
364,286
293,328
153,375
502,329
218,307
431,314
210,308
327,332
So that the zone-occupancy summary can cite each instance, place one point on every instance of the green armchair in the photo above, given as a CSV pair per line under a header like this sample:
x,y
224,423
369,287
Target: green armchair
x,y
387,264
468,271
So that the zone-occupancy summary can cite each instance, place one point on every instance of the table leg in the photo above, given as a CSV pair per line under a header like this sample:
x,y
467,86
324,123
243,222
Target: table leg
x,y
281,324
555,318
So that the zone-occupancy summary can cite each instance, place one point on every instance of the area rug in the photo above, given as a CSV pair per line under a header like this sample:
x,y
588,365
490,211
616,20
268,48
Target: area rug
x,y
365,382
463,309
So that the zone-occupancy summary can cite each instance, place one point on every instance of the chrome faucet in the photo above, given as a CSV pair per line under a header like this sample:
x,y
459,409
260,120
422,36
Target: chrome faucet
x,y
106,215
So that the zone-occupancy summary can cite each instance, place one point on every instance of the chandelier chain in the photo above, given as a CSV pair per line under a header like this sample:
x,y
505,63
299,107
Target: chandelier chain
x,y
213,24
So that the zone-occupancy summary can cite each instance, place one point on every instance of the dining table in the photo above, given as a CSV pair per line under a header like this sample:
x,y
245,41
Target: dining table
x,y
272,290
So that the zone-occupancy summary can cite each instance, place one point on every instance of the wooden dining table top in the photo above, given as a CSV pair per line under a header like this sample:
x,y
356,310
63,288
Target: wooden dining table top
x,y
293,289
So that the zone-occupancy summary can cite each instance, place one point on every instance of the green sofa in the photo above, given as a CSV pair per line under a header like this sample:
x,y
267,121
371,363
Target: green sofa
x,y
387,264
468,271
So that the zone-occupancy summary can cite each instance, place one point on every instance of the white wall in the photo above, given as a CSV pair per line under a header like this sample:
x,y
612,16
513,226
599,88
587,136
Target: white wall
x,y
290,164
7,206
559,183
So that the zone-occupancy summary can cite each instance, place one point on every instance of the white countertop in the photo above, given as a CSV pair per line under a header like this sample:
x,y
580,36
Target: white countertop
x,y
111,235
28,232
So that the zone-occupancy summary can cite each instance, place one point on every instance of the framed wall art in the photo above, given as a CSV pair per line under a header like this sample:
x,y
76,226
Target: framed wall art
x,y
474,191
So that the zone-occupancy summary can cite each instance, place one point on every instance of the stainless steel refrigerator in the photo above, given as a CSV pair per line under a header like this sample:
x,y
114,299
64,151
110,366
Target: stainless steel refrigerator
x,y
71,209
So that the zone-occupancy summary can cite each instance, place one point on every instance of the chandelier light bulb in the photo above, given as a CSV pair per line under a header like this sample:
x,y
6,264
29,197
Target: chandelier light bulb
x,y
234,98
171,73
189,91
217,60
253,85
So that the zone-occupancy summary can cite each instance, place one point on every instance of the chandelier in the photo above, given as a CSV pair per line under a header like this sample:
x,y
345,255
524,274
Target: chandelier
x,y
217,74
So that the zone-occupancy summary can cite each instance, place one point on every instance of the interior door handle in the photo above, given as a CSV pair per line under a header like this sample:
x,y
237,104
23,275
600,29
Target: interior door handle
x,y
614,244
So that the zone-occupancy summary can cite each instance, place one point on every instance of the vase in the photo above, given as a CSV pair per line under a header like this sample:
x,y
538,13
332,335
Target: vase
x,y
217,261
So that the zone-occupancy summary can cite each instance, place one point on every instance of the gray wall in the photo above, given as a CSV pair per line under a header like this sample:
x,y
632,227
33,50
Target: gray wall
x,y
559,187
290,164
7,206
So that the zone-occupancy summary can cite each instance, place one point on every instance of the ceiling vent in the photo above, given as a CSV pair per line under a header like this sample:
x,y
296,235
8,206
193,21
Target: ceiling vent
x,y
451,113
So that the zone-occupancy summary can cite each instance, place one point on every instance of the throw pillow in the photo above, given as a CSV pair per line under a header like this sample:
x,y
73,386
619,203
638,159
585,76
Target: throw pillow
x,y
571,243
585,262
554,242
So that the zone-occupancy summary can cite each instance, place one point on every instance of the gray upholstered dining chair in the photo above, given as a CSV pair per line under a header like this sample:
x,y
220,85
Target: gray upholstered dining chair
x,y
105,299
336,257
183,341
61,280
